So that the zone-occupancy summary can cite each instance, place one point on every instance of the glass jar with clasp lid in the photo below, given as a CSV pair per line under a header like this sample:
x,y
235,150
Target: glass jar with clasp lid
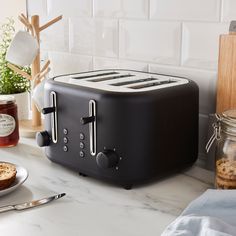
x,y
9,131
225,157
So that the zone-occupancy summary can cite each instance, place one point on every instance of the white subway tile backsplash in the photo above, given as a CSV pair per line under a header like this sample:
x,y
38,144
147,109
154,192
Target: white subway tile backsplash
x,y
108,63
228,10
56,37
106,38
100,63
177,37
70,8
94,36
81,35
150,41
67,63
132,65
37,7
199,10
200,42
121,8
206,81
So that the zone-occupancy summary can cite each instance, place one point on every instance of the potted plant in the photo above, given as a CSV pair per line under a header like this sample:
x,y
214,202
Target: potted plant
x,y
11,82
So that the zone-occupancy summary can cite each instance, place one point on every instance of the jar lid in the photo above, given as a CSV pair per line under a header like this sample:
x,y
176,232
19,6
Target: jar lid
x,y
7,99
230,114
228,121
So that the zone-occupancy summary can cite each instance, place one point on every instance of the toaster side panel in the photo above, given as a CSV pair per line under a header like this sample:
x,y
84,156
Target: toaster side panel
x,y
155,134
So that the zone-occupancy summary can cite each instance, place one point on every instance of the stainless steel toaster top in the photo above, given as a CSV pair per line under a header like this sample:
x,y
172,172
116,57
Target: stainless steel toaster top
x,y
121,80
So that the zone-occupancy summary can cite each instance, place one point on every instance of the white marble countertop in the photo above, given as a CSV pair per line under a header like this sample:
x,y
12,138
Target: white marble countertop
x,y
92,207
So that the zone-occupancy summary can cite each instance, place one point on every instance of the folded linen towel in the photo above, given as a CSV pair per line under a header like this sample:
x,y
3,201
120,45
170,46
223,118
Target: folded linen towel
x,y
212,214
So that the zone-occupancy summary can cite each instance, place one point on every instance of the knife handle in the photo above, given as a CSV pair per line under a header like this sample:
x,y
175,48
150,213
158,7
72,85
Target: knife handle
x,y
6,208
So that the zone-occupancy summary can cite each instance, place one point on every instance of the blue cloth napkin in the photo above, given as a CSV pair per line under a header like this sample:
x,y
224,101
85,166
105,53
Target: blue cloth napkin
x,y
212,214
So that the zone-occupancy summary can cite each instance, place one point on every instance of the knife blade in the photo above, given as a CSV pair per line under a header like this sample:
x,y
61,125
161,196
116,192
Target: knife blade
x,y
27,205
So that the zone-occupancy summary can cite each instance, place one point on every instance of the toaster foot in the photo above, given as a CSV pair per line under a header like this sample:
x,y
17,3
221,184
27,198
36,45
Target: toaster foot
x,y
128,186
81,174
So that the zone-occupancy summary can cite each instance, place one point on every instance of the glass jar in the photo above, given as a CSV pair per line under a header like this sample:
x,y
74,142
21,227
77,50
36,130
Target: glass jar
x,y
9,129
225,159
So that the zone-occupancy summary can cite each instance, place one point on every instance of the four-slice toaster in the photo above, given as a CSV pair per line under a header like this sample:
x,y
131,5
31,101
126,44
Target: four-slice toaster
x,y
119,125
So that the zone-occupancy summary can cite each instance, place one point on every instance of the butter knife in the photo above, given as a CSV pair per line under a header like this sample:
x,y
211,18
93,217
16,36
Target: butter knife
x,y
27,205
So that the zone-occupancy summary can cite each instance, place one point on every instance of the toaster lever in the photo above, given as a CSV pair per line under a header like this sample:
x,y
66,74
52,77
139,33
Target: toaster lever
x,y
48,110
86,120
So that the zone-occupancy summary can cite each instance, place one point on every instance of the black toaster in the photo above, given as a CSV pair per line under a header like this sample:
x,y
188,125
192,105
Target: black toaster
x,y
120,125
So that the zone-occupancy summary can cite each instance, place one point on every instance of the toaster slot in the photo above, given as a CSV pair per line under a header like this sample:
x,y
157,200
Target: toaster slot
x,y
95,75
54,116
110,78
133,82
92,128
152,84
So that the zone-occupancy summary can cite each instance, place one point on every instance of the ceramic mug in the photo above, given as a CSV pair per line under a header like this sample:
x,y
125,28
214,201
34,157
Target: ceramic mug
x,y
23,49
38,95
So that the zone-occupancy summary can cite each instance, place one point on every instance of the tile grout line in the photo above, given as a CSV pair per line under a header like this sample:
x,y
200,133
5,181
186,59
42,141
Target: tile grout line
x,y
181,44
118,40
46,2
93,18
69,35
221,11
149,9
92,6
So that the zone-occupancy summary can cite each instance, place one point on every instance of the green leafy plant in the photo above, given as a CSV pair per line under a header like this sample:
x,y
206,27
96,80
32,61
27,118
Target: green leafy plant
x,y
10,82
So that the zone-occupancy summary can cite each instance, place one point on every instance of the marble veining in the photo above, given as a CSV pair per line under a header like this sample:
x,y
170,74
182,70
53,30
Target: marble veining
x,y
93,207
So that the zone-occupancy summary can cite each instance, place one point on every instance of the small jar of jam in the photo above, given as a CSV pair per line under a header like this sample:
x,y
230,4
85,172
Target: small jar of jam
x,y
9,128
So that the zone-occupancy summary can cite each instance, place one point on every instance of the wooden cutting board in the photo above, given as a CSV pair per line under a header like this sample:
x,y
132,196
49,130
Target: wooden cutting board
x,y
226,84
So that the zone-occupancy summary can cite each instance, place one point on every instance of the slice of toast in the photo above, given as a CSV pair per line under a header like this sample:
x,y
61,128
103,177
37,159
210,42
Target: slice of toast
x,y
7,175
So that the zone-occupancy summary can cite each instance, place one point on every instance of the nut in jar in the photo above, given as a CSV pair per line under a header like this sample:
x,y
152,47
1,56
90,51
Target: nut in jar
x,y
225,159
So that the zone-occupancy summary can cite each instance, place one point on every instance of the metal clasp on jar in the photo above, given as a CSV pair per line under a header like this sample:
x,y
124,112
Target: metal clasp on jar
x,y
216,134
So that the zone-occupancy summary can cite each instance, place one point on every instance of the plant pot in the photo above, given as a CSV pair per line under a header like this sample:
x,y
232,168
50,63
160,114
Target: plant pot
x,y
22,101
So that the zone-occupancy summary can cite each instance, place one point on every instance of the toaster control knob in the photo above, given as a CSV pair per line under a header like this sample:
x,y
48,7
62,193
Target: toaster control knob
x,y
43,138
107,159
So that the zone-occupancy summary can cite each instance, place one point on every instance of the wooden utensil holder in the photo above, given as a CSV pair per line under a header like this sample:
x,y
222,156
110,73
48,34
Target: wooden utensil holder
x,y
226,84
28,128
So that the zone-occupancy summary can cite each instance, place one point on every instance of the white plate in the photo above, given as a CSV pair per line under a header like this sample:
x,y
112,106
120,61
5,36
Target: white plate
x,y
21,176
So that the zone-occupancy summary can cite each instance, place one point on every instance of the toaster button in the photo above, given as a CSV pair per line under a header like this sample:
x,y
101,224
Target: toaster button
x,y
81,153
65,140
65,131
81,144
65,148
81,136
